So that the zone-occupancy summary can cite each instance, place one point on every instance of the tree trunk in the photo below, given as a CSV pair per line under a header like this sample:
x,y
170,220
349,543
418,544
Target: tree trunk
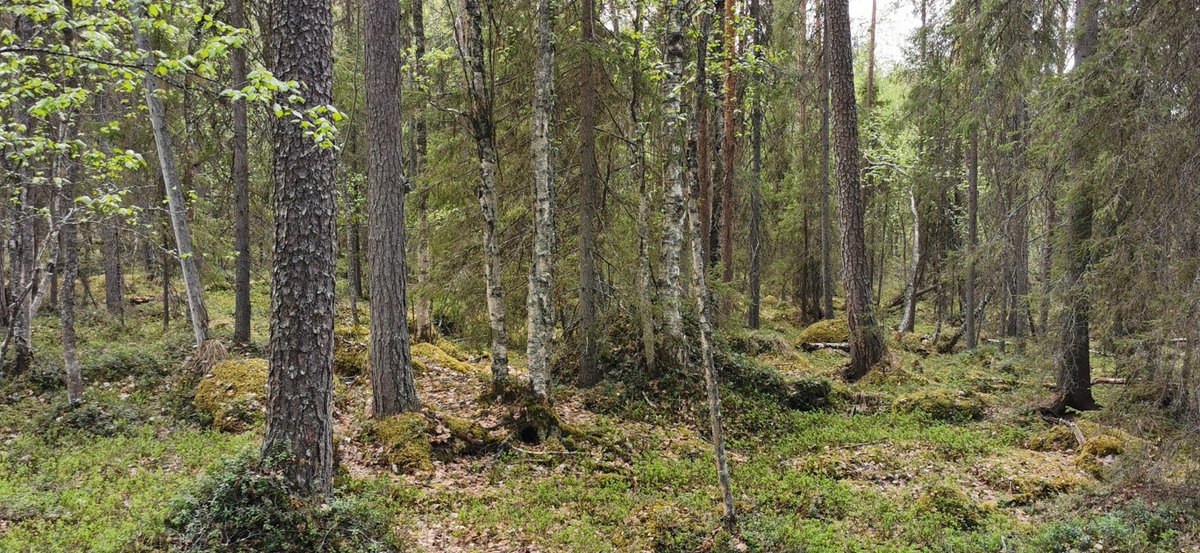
x,y
241,188
299,435
703,130
1073,363
392,388
176,207
908,320
756,121
866,340
730,138
471,50
589,183
870,95
673,127
424,308
704,315
645,307
541,273
826,208
70,249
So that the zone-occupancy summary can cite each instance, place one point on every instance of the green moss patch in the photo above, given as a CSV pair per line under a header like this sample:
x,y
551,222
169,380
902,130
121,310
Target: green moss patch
x,y
401,441
233,394
351,345
941,404
828,330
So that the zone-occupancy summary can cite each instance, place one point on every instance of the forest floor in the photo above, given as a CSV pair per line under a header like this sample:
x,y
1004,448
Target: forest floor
x,y
934,452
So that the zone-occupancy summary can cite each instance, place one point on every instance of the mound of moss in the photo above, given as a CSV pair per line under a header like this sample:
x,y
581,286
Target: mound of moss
x,y
828,330
941,404
233,394
1099,452
242,506
401,441
425,354
755,342
350,350
1054,438
948,503
1028,476
452,350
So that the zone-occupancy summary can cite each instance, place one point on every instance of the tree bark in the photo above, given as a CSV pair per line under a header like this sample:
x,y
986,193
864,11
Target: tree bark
x,y
870,95
424,309
541,273
299,435
471,52
756,121
176,207
673,127
645,307
727,151
241,188
908,320
826,208
703,130
392,388
589,183
866,340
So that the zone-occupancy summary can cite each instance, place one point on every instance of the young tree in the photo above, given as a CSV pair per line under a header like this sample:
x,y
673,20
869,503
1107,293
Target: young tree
x,y
241,187
730,139
673,125
299,435
541,272
826,208
423,313
470,50
866,340
756,123
645,307
392,387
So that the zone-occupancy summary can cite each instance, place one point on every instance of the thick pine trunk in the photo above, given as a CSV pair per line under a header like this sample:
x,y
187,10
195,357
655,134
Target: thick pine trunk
x,y
470,28
541,273
241,189
299,435
866,339
392,388
176,206
589,184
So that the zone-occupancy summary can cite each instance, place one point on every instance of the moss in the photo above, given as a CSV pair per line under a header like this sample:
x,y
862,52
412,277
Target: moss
x,y
1055,438
350,350
233,394
808,394
1098,452
402,441
828,330
537,423
1028,476
947,502
429,354
452,350
941,404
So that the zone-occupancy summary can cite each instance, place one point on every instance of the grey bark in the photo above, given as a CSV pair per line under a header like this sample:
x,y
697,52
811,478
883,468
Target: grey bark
x,y
673,127
423,313
826,208
756,120
241,188
908,320
645,307
541,273
589,183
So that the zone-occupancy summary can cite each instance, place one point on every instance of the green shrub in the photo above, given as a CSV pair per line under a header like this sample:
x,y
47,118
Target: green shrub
x,y
240,507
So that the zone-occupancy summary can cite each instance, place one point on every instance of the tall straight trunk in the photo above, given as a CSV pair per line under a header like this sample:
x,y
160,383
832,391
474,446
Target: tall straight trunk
x,y
1073,363
866,339
176,207
908,320
826,208
730,138
423,315
645,307
470,28
969,325
870,96
1016,262
69,254
23,271
756,120
299,435
541,272
114,285
703,132
673,127
392,388
589,184
712,390
241,188
1050,202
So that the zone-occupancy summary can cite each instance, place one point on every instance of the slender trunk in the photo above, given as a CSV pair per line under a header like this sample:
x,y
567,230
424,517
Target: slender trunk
x,y
114,285
69,236
908,320
1049,201
730,138
589,184
241,188
645,307
176,207
424,309
826,208
541,273
703,131
392,388
756,121
471,52
673,127
870,95
866,340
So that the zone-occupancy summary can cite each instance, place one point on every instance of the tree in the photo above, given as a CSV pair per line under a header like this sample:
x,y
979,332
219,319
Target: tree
x,y
672,241
1073,361
299,435
541,272
392,387
756,123
866,340
241,187
423,314
826,209
730,139
638,151
470,51
176,207
589,182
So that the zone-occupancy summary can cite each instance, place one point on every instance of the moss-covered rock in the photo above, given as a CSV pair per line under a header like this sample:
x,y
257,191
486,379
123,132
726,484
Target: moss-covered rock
x,y
1054,438
425,354
828,330
401,441
452,350
942,404
233,394
1098,452
949,503
351,345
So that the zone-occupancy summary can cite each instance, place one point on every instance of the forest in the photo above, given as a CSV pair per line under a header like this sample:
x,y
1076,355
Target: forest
x,y
600,275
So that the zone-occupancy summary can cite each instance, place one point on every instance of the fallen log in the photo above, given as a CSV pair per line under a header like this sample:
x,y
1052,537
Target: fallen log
x,y
814,346
1095,381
